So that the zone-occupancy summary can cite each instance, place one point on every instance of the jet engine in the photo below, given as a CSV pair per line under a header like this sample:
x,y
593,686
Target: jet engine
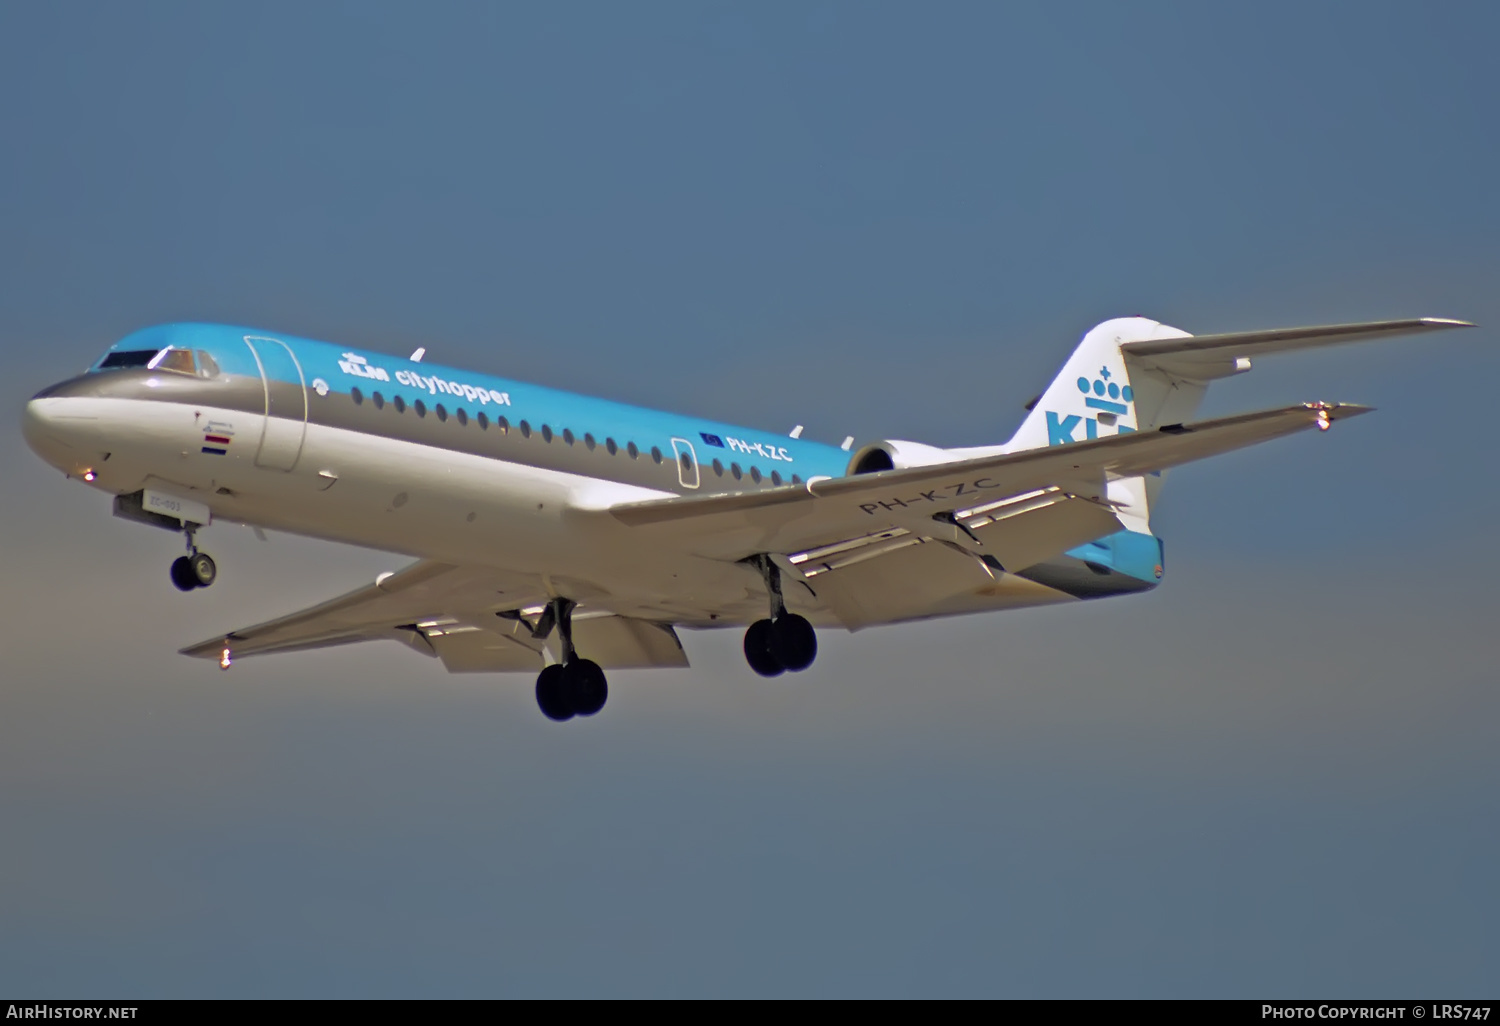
x,y
894,454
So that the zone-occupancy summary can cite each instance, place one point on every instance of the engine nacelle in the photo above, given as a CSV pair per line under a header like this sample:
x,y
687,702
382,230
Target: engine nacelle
x,y
898,455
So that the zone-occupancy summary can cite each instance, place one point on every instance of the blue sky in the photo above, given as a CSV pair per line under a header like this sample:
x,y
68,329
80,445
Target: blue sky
x,y
1274,775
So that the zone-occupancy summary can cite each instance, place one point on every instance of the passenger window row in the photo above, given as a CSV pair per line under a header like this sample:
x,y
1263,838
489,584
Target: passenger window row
x,y
524,427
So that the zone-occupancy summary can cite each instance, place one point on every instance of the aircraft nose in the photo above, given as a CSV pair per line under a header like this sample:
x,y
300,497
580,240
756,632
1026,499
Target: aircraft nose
x,y
59,431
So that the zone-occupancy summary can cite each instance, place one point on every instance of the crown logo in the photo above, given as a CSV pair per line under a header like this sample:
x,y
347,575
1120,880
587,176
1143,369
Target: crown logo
x,y
1100,387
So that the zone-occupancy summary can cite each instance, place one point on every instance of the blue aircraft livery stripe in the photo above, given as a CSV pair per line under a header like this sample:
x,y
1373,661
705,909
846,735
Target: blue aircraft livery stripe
x,y
326,368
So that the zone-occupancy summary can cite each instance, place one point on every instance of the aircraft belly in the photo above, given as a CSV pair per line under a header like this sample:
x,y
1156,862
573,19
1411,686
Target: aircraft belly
x,y
470,510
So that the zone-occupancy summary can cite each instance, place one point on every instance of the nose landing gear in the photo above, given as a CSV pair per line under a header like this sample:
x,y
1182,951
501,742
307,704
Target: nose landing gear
x,y
196,569
783,642
575,686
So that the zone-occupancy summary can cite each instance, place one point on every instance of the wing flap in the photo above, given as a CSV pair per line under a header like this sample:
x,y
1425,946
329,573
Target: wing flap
x,y
1041,533
919,580
466,648
626,643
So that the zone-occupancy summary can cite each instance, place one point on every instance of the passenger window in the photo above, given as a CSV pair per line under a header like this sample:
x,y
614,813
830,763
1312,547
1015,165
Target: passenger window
x,y
440,411
796,479
718,468
484,421
420,407
568,436
378,400
399,403
776,477
609,443
357,396
633,451
525,429
503,425
655,454
179,360
755,474
734,468
589,443
460,416
546,433
208,367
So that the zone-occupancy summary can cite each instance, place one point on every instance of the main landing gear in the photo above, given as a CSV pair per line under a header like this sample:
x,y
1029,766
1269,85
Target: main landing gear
x,y
783,642
573,687
196,569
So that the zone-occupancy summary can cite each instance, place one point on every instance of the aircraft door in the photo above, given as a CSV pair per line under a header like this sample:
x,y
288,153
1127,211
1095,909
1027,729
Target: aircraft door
x,y
286,403
687,462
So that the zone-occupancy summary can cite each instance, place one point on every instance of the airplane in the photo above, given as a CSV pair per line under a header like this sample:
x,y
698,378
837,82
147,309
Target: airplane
x,y
567,535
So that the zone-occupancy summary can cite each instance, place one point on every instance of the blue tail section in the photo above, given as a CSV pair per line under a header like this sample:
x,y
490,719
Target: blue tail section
x,y
1118,564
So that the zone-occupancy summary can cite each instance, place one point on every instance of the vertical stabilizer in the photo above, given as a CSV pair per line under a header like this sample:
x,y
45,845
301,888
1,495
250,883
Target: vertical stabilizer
x,y
1099,393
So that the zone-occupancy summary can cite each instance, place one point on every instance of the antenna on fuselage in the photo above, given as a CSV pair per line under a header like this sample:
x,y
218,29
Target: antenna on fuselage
x,y
847,443
416,357
796,432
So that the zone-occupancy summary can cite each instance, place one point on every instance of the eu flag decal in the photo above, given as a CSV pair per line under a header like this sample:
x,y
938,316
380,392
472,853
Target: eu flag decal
x,y
709,439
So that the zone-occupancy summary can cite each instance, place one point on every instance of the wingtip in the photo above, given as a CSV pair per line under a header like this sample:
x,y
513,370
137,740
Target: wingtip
x,y
1447,322
1338,411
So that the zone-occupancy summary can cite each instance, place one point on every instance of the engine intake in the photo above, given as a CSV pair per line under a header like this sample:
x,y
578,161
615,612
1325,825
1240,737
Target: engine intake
x,y
893,454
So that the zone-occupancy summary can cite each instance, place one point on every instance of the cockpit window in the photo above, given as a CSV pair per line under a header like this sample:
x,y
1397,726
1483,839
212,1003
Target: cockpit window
x,y
174,360
127,358
208,367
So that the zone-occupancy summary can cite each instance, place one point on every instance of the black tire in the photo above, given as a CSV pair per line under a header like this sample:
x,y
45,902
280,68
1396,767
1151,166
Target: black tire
x,y
758,651
201,565
587,686
793,641
182,574
552,693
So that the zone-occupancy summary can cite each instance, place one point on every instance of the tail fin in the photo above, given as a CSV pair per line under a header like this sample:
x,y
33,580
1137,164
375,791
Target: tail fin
x,y
1136,374
1095,394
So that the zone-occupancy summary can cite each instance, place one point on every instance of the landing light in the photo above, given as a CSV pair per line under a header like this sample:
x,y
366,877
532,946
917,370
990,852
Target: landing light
x,y
89,475
225,659
1324,422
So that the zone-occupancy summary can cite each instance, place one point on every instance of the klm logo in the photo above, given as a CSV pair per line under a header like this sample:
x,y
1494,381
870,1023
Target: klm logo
x,y
359,367
1102,394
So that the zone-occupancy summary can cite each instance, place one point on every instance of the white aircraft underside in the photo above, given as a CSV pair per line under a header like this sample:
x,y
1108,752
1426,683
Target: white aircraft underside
x,y
530,558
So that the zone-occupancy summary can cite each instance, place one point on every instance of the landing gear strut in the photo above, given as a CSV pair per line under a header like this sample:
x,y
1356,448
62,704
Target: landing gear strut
x,y
196,569
573,687
785,641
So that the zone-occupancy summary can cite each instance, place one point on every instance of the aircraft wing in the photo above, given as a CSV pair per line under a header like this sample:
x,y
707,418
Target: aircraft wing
x,y
986,515
451,613
1048,496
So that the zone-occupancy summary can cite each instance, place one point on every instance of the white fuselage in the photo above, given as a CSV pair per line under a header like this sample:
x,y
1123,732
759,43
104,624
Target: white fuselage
x,y
419,500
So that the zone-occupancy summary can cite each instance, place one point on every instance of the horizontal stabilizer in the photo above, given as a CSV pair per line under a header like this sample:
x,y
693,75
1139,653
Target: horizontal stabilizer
x,y
1212,356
